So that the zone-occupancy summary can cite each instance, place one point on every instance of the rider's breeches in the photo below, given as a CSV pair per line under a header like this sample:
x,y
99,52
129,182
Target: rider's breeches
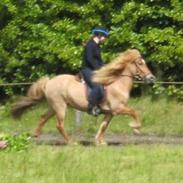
x,y
97,90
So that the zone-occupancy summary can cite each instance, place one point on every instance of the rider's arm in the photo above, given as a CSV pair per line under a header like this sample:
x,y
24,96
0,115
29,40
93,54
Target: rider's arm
x,y
92,54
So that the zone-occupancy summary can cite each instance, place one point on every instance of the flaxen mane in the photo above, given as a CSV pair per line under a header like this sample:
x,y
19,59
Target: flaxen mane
x,y
111,71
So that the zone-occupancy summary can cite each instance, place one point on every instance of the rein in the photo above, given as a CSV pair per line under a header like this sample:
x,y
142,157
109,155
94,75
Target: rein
x,y
133,77
124,75
137,75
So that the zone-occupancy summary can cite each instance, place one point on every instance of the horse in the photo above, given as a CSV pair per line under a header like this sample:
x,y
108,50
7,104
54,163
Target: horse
x,y
65,90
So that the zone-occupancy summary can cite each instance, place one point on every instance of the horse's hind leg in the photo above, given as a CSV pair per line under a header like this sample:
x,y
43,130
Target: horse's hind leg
x,y
44,118
99,139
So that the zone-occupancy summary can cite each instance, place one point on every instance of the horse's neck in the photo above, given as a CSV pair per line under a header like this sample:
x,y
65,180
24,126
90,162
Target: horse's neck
x,y
124,82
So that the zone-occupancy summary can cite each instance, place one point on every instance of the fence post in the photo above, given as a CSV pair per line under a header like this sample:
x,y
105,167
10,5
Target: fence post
x,y
78,118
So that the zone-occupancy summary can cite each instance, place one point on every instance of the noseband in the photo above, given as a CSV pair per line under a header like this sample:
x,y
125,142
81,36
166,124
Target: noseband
x,y
138,72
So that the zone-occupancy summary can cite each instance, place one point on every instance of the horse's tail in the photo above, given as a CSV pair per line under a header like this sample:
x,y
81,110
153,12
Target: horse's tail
x,y
34,95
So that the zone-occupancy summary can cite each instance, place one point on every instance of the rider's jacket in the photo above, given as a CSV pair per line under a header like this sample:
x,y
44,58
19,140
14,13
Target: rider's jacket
x,y
92,57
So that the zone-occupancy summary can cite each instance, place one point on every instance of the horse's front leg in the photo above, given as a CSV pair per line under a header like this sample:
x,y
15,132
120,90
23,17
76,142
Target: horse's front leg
x,y
124,110
99,139
60,125
60,109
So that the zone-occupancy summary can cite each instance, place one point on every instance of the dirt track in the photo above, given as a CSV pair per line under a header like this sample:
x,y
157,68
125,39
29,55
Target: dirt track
x,y
113,139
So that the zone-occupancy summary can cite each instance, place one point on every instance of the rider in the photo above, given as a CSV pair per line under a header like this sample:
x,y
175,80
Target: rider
x,y
92,61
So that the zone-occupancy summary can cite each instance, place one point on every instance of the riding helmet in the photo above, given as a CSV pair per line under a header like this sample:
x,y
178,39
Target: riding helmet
x,y
100,30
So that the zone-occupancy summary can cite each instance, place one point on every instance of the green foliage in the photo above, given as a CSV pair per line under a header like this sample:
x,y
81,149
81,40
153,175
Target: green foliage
x,y
17,142
44,37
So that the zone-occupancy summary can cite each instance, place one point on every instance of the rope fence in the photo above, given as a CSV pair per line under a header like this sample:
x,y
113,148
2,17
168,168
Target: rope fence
x,y
78,114
14,84
137,82
165,82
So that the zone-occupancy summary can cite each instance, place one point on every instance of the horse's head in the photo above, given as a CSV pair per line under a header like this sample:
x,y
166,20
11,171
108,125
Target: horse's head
x,y
129,63
140,70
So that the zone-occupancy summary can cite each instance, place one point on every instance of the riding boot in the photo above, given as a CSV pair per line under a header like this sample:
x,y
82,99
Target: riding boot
x,y
93,110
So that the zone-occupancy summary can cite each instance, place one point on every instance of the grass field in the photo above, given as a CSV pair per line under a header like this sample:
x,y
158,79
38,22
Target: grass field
x,y
127,164
161,117
157,163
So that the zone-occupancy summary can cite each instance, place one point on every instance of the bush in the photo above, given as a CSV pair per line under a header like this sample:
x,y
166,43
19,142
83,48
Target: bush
x,y
17,142
45,37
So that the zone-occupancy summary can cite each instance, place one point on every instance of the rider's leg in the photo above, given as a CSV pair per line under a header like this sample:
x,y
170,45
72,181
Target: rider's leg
x,y
87,74
96,92
96,96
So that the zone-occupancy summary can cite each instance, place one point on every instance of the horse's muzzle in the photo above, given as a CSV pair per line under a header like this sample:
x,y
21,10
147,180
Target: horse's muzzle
x,y
149,79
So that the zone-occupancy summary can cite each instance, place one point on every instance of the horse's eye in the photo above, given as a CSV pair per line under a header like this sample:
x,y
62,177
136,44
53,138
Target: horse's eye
x,y
141,63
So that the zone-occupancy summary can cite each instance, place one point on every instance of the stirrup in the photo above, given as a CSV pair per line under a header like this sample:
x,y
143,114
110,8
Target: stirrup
x,y
95,111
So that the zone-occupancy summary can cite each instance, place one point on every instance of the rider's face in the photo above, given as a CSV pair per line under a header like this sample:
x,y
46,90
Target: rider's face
x,y
102,39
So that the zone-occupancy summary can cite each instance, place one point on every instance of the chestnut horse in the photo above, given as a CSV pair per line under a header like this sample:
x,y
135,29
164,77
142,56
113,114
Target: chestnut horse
x,y
64,90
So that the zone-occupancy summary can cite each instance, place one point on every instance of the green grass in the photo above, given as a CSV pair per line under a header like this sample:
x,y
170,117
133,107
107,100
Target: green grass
x,y
128,164
160,117
80,164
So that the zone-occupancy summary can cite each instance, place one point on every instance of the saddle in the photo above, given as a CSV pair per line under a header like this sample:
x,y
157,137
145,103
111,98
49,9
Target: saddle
x,y
79,77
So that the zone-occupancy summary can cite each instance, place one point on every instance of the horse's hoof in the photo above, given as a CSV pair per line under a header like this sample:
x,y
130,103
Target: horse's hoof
x,y
136,131
75,143
98,143
103,143
35,135
71,143
134,126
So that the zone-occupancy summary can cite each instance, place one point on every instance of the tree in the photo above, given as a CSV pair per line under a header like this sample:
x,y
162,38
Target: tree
x,y
39,37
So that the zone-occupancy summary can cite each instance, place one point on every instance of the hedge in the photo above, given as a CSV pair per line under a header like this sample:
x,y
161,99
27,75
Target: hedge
x,y
45,37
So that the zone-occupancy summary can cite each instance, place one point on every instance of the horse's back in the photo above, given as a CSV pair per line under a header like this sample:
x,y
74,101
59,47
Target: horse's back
x,y
58,83
66,87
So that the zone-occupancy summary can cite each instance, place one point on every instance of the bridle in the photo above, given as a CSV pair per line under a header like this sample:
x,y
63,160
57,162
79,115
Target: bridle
x,y
138,72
